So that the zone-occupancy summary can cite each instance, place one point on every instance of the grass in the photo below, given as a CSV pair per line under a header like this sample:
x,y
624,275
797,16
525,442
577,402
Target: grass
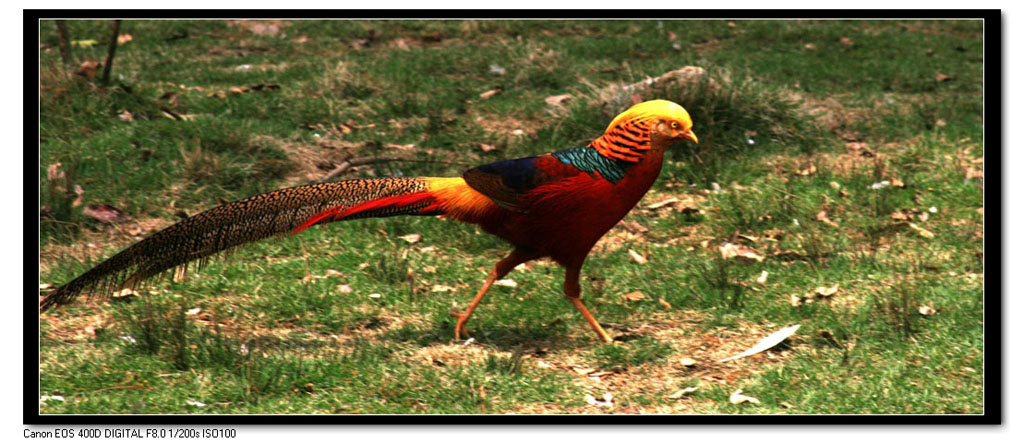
x,y
800,123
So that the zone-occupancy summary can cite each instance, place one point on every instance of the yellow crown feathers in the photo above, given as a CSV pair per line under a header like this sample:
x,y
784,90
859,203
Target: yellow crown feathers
x,y
653,109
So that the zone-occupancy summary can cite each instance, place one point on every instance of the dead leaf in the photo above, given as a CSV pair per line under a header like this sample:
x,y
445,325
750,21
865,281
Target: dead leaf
x,y
411,238
54,173
807,170
582,371
974,173
126,292
811,47
823,217
846,41
664,303
125,116
637,257
634,296
741,252
796,300
926,310
124,38
400,44
105,213
663,203
686,361
488,94
442,288
941,78
87,69
859,149
671,36
762,278
344,288
79,196
680,393
633,226
556,100
193,311
823,292
737,397
486,147
508,283
922,231
897,183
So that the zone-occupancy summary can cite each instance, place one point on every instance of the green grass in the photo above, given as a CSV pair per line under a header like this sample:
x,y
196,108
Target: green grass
x,y
350,318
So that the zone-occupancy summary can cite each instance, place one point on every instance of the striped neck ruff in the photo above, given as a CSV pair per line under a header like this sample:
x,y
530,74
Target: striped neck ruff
x,y
626,141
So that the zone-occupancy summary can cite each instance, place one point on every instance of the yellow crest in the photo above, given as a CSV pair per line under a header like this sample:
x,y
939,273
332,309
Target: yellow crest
x,y
653,109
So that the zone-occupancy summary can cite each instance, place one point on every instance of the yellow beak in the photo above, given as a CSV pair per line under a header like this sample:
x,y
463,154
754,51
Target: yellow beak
x,y
689,135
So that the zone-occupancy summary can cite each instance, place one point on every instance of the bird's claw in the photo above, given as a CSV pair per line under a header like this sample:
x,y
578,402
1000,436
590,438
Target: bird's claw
x,y
460,327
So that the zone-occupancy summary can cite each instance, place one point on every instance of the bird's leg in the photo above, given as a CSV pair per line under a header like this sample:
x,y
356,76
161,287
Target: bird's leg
x,y
572,292
503,267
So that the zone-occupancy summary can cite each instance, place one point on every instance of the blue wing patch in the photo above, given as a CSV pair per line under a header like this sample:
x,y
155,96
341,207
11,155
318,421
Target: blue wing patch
x,y
517,174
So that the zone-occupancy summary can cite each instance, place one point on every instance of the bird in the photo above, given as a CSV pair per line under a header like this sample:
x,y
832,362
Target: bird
x,y
555,205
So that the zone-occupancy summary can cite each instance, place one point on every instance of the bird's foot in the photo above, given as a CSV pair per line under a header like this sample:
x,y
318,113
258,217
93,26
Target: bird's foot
x,y
460,325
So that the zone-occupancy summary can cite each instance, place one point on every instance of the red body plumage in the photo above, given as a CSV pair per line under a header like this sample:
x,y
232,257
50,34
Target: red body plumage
x,y
554,205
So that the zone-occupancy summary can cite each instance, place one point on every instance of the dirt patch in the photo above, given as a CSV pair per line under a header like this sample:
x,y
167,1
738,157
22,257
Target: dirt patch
x,y
453,355
506,126
313,161
74,328
656,381
93,245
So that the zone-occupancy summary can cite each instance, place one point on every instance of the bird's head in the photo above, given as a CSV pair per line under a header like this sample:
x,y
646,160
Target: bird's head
x,y
669,122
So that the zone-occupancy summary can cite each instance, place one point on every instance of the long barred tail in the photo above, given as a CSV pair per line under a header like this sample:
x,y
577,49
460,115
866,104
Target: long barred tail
x,y
244,221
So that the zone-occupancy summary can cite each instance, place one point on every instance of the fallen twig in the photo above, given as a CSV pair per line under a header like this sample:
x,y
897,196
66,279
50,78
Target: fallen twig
x,y
110,53
62,39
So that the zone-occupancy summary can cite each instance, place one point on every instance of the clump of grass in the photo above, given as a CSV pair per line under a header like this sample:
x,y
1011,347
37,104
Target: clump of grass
x,y
163,329
58,202
511,365
898,307
720,285
620,357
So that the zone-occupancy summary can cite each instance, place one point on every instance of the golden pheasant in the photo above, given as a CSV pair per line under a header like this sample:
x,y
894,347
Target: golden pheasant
x,y
553,205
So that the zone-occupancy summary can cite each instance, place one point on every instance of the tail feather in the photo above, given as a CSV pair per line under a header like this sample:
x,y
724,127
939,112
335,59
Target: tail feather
x,y
244,221
416,203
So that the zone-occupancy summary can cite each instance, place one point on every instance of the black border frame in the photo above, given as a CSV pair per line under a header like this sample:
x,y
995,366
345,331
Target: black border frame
x,y
993,106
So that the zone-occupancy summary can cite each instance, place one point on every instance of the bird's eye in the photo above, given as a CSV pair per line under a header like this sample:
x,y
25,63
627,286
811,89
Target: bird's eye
x,y
675,125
